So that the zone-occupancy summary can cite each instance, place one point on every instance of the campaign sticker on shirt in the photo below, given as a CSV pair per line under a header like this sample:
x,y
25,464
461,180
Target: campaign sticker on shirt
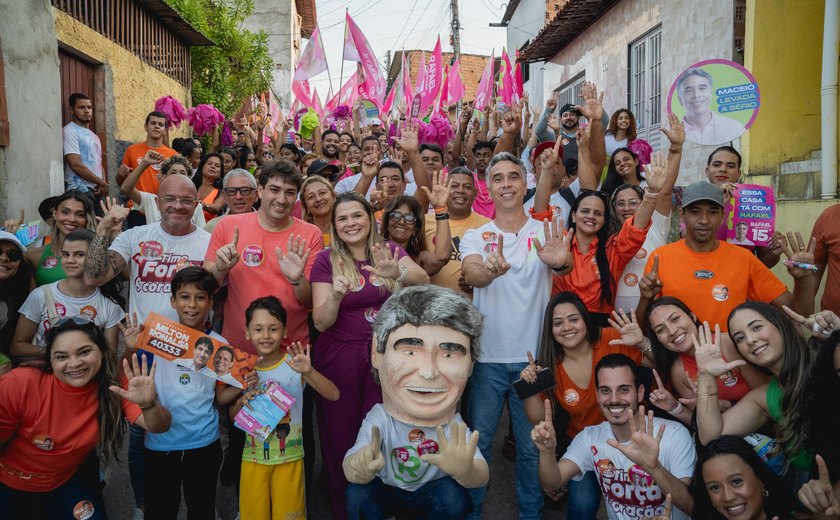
x,y
83,510
43,442
630,279
88,311
605,467
571,397
375,280
49,262
401,454
370,314
428,447
720,292
564,141
729,379
252,256
488,236
416,436
642,253
60,309
491,247
639,477
151,250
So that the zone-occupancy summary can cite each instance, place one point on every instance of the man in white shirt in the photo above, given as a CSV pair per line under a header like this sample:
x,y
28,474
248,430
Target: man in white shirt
x,y
639,460
702,125
510,270
82,149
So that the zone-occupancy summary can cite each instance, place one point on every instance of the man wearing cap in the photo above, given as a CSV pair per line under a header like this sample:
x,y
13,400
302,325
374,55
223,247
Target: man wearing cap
x,y
569,119
324,169
714,277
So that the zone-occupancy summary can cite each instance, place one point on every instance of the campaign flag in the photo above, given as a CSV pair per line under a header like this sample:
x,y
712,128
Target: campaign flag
x,y
346,95
456,84
357,48
408,92
313,61
301,91
518,84
433,77
485,86
444,89
420,84
317,105
389,101
505,80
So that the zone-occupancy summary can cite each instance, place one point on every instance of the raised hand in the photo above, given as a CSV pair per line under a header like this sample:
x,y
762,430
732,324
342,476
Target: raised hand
x,y
227,256
456,453
593,103
824,322
11,224
661,397
556,252
655,173
582,136
131,330
708,354
818,494
368,461
553,123
543,434
800,256
153,157
552,162
115,215
122,172
387,263
650,285
628,327
529,373
643,448
141,381
370,166
676,132
777,243
439,194
551,103
340,284
292,263
301,359
666,515
408,139
495,262
512,120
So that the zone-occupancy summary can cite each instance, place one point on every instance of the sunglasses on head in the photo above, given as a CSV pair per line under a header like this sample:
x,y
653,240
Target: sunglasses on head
x,y
396,216
14,254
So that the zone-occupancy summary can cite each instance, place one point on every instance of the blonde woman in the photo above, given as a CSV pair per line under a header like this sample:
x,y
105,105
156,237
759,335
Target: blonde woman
x,y
350,281
317,198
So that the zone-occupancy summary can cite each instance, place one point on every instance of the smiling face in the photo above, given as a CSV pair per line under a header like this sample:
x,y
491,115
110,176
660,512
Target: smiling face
x,y
723,167
757,339
265,332
239,202
222,362
73,258
9,267
506,185
568,327
399,227
695,94
202,354
344,141
625,166
69,216
741,231
623,120
461,194
589,217
626,203
351,223
673,328
330,146
569,120
75,358
617,394
354,155
733,487
318,198
423,371
191,303
177,199
212,169
277,199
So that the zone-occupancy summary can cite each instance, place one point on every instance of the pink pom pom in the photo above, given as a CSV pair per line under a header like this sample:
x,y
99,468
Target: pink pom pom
x,y
174,110
642,149
342,113
204,119
437,131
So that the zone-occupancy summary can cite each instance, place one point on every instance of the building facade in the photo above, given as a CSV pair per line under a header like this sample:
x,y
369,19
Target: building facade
x,y
472,67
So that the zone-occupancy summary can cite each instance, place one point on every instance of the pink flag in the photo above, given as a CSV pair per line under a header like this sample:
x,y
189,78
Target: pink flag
x,y
518,84
505,80
433,78
346,95
389,101
420,83
485,86
357,48
301,91
316,102
312,62
408,92
456,84
444,89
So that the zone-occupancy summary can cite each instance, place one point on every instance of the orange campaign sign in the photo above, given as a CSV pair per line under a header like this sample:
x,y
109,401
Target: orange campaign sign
x,y
192,348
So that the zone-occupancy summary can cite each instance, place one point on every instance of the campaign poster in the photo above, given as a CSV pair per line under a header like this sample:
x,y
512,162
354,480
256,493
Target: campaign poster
x,y
717,101
268,407
191,348
750,216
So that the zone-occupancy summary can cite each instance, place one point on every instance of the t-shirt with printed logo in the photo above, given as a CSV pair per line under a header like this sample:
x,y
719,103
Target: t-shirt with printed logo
x,y
148,179
154,257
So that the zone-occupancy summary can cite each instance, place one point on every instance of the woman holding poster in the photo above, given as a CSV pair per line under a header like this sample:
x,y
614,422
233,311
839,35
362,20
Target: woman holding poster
x,y
52,422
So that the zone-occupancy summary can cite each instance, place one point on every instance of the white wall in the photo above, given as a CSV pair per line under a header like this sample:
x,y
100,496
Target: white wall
x,y
278,18
527,21
602,51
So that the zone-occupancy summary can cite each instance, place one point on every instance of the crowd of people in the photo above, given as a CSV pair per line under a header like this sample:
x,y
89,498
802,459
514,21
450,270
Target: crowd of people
x,y
648,367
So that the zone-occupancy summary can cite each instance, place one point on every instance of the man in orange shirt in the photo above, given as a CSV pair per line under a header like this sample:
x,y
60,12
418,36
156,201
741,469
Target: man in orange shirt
x,y
155,129
714,277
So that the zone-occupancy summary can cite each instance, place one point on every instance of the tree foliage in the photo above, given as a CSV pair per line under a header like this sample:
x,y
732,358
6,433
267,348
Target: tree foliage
x,y
238,65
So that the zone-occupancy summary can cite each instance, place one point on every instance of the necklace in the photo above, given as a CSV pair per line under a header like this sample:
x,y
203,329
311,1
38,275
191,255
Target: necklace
x,y
482,196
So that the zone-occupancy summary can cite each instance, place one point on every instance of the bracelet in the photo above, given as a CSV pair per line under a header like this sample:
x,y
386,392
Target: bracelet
x,y
677,409
650,195
144,407
561,269
705,394
296,282
442,216
403,273
441,210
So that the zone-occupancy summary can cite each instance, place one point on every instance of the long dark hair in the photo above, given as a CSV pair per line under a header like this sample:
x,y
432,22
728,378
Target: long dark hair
x,y
112,289
112,427
603,234
612,128
199,175
663,357
613,179
13,292
809,388
416,242
778,500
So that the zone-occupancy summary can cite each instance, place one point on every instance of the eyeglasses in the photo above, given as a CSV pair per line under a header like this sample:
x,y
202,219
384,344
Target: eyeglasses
x,y
13,254
396,216
78,320
268,154
631,204
186,201
244,191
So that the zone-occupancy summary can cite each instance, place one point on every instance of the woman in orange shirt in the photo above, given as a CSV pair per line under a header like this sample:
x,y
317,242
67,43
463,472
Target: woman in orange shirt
x,y
572,344
208,182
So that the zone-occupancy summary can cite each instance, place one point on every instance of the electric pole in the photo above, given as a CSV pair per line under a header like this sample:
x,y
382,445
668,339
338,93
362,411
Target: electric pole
x,y
456,36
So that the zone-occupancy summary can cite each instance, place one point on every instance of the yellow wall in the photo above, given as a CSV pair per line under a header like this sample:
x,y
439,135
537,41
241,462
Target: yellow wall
x,y
136,85
783,45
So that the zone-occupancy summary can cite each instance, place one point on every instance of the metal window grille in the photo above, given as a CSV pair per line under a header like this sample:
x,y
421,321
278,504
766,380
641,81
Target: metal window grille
x,y
646,85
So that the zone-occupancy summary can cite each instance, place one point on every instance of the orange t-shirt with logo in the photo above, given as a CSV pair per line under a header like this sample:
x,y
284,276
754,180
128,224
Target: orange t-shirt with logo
x,y
51,428
148,179
713,283
582,403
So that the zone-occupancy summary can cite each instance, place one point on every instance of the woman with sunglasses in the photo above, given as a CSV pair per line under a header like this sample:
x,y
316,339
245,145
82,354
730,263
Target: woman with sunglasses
x,y
403,222
15,285
54,421
350,281
69,297
145,202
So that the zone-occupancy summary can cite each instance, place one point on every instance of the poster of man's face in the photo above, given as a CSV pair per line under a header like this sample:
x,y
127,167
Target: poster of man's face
x,y
203,352
223,361
695,94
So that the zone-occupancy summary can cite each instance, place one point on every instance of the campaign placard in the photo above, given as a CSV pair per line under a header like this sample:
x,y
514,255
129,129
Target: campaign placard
x,y
268,407
749,216
170,340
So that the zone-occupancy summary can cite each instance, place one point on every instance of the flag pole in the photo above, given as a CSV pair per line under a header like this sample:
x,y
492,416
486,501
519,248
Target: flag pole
x,y
341,78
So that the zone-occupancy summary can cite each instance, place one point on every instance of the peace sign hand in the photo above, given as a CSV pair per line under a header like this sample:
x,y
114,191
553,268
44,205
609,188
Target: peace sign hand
x,y
628,327
115,215
801,256
543,435
824,322
661,397
643,448
650,285
529,373
439,194
556,252
386,263
495,262
292,263
226,256
370,166
708,354
818,495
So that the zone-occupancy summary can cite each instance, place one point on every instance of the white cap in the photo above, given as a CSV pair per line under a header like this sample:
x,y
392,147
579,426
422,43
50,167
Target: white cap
x,y
5,235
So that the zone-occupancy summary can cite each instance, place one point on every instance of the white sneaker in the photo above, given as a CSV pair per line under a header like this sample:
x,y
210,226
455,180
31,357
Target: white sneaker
x,y
138,514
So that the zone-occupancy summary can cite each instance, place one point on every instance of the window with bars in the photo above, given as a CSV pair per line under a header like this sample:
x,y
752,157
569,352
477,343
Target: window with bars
x,y
646,85
570,92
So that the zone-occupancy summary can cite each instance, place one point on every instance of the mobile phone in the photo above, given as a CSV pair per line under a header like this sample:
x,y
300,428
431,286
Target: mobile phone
x,y
545,380
354,167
